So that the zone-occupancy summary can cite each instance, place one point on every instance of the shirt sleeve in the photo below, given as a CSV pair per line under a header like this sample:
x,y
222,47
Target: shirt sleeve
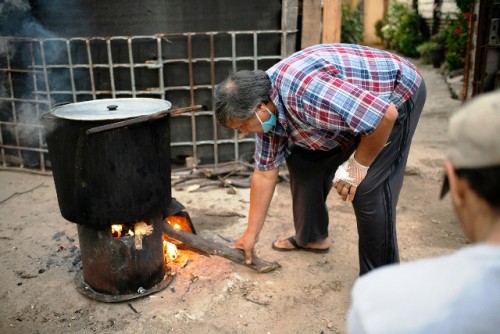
x,y
271,150
334,104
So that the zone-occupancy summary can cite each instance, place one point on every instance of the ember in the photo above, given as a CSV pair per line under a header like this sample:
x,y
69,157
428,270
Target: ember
x,y
170,251
180,222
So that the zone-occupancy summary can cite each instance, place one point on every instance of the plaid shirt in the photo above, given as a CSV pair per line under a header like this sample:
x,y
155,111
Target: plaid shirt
x,y
328,94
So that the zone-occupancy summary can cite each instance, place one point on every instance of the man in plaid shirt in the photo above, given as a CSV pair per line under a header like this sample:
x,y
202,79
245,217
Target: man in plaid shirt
x,y
332,111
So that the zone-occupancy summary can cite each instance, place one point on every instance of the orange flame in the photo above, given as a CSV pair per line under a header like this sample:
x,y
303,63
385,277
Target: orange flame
x,y
116,230
170,251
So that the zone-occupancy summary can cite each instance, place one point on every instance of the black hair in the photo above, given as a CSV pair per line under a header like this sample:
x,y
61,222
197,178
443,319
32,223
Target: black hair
x,y
484,181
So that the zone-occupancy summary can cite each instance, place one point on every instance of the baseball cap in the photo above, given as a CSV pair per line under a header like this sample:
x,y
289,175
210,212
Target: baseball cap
x,y
474,135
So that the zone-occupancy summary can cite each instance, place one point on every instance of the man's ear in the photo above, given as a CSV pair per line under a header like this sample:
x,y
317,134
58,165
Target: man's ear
x,y
457,191
261,107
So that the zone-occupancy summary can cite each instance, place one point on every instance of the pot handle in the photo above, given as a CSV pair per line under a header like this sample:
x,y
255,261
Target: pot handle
x,y
142,119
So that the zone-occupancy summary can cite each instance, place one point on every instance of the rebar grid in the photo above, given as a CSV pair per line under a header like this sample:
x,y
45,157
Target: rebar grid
x,y
184,68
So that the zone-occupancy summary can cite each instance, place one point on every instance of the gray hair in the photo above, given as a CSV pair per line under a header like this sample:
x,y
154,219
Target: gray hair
x,y
237,97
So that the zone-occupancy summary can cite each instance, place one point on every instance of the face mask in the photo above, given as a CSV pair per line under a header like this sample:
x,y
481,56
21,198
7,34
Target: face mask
x,y
270,123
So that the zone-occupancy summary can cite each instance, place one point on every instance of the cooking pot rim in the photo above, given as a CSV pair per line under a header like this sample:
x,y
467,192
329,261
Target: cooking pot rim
x,y
110,109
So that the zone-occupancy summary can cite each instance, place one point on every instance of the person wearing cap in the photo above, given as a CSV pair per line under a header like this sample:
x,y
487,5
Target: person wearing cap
x,y
337,112
457,293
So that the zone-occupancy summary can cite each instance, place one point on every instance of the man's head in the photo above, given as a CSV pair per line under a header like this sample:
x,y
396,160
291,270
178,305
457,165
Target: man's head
x,y
473,166
238,97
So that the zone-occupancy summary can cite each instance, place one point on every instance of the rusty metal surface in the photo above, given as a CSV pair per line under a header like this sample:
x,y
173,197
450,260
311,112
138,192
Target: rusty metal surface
x,y
88,291
114,266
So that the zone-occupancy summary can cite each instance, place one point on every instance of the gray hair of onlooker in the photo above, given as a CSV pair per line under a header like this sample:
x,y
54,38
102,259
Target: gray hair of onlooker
x,y
237,97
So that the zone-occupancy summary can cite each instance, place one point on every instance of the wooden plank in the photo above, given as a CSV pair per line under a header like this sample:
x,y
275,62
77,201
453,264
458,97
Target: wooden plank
x,y
332,21
311,23
289,26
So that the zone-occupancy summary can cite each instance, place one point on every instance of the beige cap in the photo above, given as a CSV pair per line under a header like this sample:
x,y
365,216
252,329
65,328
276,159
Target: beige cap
x,y
474,133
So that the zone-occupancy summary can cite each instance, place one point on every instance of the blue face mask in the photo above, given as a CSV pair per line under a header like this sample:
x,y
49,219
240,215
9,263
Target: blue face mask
x,y
270,123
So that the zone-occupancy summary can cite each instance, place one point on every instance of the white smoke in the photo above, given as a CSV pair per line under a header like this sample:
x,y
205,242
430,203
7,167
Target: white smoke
x,y
14,5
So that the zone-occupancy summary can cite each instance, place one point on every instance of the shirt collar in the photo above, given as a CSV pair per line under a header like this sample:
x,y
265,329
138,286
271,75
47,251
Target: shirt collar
x,y
282,124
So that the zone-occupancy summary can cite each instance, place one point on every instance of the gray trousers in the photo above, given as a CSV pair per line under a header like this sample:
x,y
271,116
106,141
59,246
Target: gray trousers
x,y
311,174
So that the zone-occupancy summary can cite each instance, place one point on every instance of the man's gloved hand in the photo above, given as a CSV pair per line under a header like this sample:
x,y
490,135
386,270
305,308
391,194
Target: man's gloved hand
x,y
348,177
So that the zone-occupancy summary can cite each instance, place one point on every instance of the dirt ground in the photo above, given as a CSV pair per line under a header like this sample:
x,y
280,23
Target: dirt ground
x,y
310,293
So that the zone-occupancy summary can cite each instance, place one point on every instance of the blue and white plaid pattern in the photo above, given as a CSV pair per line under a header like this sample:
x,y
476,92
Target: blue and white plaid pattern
x,y
328,94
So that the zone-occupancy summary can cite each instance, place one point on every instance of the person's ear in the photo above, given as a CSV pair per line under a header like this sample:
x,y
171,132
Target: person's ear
x,y
457,190
261,107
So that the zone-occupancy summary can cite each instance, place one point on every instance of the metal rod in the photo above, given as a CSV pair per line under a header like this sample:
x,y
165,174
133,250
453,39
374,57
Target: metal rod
x,y
45,74
71,74
191,94
91,68
160,67
131,60
233,56
111,73
14,110
212,82
41,155
255,53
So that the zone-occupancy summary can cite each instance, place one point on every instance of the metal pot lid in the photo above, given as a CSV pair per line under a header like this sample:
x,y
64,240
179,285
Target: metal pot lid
x,y
111,109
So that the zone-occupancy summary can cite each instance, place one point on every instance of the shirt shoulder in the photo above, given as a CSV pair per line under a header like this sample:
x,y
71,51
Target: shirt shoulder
x,y
437,289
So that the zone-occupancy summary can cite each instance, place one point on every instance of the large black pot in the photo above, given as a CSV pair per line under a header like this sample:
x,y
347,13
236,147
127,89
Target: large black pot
x,y
119,175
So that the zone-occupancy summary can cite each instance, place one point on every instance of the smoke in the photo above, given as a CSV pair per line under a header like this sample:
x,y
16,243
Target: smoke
x,y
16,5
20,20
18,87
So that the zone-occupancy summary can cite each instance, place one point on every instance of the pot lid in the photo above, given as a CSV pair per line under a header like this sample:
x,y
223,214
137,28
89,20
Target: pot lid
x,y
111,109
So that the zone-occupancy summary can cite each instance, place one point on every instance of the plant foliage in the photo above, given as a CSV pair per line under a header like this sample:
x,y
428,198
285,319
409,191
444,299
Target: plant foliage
x,y
352,26
402,29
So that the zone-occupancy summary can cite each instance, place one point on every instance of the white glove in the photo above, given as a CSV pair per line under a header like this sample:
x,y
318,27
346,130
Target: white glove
x,y
351,172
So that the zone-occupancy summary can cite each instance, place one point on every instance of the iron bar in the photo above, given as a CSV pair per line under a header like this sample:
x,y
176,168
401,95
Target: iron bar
x,y
161,83
45,74
41,155
131,60
191,92
111,72
91,68
70,67
212,83
14,109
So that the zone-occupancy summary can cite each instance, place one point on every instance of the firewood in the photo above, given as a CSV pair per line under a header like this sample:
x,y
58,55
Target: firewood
x,y
210,247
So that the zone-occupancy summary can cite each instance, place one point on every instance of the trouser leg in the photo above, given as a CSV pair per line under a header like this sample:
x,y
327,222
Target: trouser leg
x,y
311,174
377,196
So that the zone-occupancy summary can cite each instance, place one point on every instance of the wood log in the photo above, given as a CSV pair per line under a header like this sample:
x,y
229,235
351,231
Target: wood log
x,y
195,242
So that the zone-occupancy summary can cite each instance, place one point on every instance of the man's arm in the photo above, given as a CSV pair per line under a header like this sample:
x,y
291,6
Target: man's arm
x,y
368,149
370,146
261,193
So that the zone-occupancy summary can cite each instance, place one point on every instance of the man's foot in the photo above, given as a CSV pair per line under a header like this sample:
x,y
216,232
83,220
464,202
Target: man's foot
x,y
290,244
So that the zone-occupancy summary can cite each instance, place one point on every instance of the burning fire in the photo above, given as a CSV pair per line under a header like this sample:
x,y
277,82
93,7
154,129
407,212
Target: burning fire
x,y
117,230
140,229
170,250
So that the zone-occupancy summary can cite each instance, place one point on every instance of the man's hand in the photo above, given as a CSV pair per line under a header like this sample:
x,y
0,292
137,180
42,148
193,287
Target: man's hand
x,y
247,243
348,177
350,174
